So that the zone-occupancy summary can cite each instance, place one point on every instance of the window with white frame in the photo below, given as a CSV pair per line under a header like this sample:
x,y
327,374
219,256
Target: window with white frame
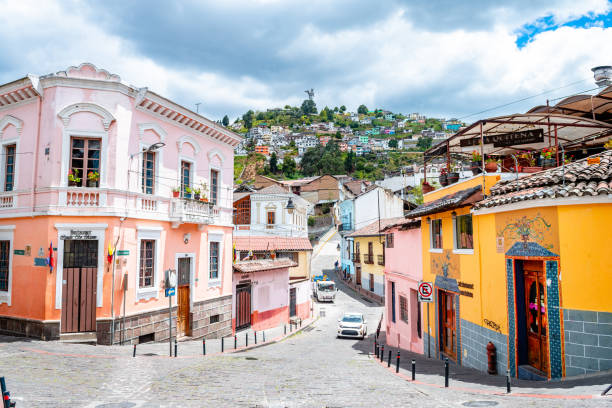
x,y
5,264
185,177
464,237
149,248
389,240
214,187
146,273
84,162
435,229
148,172
9,167
213,266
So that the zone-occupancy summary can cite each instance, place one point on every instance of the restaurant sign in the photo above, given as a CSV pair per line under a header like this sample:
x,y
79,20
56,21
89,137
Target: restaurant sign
x,y
78,234
507,139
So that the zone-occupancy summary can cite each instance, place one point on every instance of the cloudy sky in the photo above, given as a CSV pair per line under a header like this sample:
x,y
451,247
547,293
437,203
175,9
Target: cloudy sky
x,y
444,58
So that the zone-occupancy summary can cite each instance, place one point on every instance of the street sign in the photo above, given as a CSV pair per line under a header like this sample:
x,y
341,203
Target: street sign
x,y
425,292
170,292
123,252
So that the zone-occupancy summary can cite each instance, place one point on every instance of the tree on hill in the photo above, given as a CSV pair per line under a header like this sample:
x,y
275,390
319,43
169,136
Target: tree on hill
x,y
424,143
273,163
338,135
393,143
349,162
309,107
289,166
362,109
247,118
343,109
225,121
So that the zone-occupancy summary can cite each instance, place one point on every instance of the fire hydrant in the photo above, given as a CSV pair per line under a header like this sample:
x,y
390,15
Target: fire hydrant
x,y
491,358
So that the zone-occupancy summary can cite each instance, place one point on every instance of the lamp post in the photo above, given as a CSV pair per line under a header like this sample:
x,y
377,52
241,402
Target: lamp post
x,y
290,207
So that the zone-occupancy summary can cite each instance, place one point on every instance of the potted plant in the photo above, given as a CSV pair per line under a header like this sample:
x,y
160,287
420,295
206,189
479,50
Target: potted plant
x,y
73,177
453,176
476,165
92,179
203,198
196,194
443,178
176,192
608,144
427,187
531,168
568,159
188,192
548,157
490,165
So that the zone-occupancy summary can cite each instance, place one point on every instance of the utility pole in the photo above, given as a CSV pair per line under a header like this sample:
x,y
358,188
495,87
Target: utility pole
x,y
198,107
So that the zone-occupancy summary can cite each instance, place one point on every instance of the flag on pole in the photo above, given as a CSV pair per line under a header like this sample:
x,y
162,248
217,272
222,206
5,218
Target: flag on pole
x,y
111,251
234,253
50,260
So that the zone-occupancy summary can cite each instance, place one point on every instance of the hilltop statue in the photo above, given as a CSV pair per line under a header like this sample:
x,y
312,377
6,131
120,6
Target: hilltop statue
x,y
310,93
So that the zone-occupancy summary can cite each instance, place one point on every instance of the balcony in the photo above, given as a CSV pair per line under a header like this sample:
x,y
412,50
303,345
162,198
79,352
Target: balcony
x,y
357,257
192,211
7,199
83,197
368,259
381,260
345,227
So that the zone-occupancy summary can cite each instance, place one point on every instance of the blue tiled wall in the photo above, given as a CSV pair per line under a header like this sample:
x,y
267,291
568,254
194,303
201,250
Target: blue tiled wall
x,y
511,317
474,339
554,320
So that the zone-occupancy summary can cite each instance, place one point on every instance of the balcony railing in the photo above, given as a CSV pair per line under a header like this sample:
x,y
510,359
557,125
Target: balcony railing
x,y
82,197
357,257
7,199
368,258
192,211
381,259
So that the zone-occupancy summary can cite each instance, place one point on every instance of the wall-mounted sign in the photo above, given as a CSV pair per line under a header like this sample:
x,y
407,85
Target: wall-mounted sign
x,y
40,262
78,234
425,292
19,251
507,139
123,252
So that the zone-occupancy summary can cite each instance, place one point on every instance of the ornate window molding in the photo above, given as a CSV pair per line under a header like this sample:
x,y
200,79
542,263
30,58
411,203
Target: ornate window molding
x,y
142,127
191,141
10,120
68,111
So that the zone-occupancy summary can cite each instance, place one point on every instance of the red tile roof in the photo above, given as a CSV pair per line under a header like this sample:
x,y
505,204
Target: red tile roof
x,y
373,228
263,265
263,243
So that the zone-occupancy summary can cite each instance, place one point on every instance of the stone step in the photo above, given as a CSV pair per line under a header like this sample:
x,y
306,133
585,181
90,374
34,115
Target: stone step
x,y
85,337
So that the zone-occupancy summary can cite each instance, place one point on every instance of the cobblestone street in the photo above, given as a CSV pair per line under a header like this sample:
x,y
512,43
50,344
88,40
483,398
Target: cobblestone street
x,y
308,369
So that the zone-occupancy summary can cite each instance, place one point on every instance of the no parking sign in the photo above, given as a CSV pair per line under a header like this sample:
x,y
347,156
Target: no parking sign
x,y
425,292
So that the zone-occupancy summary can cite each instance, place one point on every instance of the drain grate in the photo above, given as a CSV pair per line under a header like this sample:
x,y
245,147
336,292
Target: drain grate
x,y
250,358
480,404
148,354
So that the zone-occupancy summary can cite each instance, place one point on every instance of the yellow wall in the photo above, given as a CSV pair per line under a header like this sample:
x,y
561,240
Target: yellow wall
x,y
585,238
377,249
303,268
490,181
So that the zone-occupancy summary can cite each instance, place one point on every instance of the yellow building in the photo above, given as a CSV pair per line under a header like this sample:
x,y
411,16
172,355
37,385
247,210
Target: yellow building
x,y
369,256
527,267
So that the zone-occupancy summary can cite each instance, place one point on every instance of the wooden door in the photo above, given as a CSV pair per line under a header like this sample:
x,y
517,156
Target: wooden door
x,y
372,282
448,332
79,282
243,306
292,302
537,324
358,275
183,320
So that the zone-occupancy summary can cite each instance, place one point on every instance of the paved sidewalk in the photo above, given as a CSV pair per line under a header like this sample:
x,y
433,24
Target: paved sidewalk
x,y
244,340
430,373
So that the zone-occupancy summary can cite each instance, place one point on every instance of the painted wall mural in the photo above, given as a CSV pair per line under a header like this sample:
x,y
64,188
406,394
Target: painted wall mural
x,y
446,264
530,232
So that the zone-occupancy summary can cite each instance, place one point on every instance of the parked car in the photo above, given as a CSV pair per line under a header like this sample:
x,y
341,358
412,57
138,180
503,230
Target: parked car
x,y
352,325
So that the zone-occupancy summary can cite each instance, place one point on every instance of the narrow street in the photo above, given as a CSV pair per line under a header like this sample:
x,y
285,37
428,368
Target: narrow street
x,y
310,369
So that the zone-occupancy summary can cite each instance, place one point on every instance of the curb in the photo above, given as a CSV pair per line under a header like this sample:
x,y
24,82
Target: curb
x,y
483,392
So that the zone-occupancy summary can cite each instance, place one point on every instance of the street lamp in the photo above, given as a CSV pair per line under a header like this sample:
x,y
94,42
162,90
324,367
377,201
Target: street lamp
x,y
290,206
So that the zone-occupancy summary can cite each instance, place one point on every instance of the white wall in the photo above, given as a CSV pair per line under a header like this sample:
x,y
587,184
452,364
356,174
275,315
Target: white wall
x,y
375,203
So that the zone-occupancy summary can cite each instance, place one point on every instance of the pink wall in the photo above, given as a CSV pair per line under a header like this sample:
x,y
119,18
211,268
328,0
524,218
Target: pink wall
x,y
403,267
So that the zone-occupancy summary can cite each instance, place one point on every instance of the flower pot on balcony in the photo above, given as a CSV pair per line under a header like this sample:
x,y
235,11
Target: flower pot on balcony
x,y
176,194
476,167
427,188
204,199
453,177
548,163
491,167
531,169
443,179
196,196
187,195
92,183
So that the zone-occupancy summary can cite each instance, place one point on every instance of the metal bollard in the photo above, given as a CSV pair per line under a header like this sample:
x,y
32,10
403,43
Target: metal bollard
x,y
285,329
508,388
446,372
235,341
606,390
413,370
134,352
397,362
255,337
382,353
375,348
263,333
222,343
203,347
175,347
246,339
389,359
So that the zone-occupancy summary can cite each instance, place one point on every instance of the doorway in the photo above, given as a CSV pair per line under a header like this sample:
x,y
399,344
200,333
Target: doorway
x,y
243,306
447,329
292,302
371,282
79,281
183,320
533,338
358,275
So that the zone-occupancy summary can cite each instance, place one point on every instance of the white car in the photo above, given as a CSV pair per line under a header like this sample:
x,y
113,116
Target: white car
x,y
352,325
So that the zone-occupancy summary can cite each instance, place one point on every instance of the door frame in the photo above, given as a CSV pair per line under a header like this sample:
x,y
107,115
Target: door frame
x,y
96,230
440,293
191,255
248,285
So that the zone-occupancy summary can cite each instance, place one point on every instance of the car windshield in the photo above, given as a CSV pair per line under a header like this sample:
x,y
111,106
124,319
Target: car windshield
x,y
351,319
326,286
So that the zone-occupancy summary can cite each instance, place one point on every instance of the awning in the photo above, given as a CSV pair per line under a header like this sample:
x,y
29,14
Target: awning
x,y
505,135
448,202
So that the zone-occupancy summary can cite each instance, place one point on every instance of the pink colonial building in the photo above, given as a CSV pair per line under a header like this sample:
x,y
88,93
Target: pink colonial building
x,y
90,165
403,271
